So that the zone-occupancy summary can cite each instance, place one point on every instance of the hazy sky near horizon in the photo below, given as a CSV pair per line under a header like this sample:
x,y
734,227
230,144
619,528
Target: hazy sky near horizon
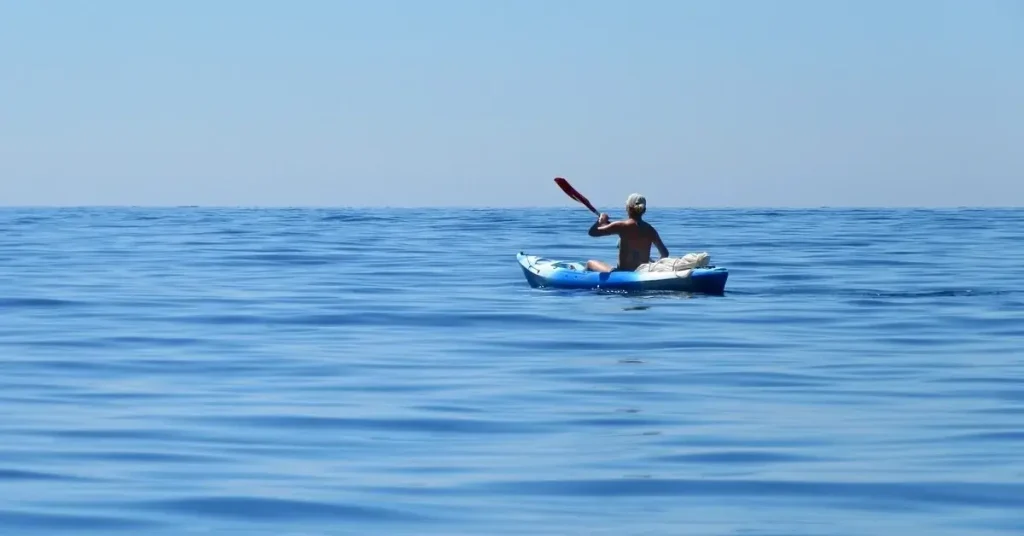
x,y
346,103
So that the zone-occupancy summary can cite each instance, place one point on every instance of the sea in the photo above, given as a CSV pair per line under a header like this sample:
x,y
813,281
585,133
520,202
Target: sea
x,y
313,371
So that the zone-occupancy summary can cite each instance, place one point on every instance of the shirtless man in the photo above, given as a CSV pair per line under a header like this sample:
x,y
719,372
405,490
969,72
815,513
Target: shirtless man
x,y
635,237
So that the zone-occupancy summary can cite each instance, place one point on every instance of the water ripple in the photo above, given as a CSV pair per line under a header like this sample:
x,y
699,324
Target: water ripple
x,y
258,508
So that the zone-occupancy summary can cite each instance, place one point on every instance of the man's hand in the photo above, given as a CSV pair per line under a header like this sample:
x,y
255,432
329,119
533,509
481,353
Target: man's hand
x,y
602,227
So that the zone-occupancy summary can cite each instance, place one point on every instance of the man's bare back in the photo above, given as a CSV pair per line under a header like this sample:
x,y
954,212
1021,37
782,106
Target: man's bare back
x,y
635,237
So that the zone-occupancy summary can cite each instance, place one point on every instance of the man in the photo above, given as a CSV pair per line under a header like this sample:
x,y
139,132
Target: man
x,y
635,237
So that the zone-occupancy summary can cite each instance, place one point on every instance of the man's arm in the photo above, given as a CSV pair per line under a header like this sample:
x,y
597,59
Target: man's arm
x,y
661,245
602,227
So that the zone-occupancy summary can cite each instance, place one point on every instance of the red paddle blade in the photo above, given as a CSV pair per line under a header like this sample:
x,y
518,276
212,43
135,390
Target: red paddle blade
x,y
567,188
573,194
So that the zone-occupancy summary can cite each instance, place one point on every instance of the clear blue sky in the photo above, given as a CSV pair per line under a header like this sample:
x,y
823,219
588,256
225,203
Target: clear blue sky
x,y
345,103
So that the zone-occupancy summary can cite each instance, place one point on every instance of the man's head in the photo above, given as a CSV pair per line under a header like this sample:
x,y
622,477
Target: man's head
x,y
636,205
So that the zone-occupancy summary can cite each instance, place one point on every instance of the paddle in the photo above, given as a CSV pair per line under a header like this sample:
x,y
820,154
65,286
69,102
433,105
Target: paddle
x,y
573,194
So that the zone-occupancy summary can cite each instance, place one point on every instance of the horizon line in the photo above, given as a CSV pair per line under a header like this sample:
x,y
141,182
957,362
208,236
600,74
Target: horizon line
x,y
505,207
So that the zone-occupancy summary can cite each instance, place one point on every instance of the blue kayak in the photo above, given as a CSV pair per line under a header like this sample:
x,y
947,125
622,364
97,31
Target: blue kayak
x,y
541,272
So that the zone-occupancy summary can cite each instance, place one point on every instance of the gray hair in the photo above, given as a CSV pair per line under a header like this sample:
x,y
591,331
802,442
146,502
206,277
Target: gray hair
x,y
637,202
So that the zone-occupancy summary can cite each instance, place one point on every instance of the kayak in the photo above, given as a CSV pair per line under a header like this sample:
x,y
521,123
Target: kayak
x,y
542,272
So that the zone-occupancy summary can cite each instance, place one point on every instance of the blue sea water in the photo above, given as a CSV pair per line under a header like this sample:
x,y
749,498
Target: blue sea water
x,y
386,371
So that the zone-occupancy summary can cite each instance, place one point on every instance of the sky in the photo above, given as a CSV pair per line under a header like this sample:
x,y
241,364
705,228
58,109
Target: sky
x,y
482,103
